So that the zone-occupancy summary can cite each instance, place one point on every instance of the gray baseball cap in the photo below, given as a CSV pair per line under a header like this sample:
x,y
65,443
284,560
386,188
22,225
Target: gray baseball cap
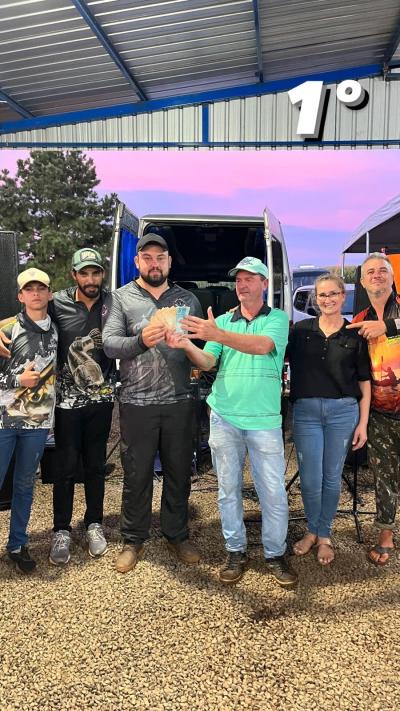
x,y
151,238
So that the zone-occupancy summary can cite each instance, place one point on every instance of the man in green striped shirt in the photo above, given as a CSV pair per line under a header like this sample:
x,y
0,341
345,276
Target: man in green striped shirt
x,y
248,347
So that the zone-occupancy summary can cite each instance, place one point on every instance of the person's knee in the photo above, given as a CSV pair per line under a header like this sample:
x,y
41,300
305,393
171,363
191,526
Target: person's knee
x,y
24,484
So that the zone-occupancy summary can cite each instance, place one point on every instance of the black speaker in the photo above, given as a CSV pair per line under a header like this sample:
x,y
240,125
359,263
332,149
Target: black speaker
x,y
6,490
9,304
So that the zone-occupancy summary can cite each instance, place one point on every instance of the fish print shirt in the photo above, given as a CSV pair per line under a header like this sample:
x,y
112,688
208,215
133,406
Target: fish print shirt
x,y
22,407
85,374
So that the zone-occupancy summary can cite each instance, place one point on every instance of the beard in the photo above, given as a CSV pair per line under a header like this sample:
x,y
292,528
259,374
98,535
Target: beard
x,y
91,292
155,278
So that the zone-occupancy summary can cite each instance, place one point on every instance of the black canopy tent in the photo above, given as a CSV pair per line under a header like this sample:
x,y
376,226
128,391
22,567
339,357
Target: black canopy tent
x,y
379,231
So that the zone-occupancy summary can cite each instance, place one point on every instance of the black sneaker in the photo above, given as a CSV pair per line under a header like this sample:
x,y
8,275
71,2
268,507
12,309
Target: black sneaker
x,y
22,559
282,572
234,568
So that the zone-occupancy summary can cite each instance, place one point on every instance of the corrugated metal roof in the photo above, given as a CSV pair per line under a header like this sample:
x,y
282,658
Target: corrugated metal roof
x,y
258,121
52,59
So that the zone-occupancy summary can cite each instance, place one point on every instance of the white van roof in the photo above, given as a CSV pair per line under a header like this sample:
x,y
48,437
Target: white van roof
x,y
273,222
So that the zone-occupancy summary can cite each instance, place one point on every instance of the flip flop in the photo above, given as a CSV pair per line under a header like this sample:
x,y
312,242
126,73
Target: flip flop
x,y
381,550
329,545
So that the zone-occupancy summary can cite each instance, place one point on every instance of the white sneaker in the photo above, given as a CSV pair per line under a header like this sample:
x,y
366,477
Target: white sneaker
x,y
96,540
59,551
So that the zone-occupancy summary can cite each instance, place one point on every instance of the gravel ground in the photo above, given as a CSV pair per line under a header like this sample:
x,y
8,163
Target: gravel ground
x,y
168,637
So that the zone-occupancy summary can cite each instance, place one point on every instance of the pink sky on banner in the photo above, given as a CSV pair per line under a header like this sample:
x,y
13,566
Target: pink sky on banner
x,y
320,197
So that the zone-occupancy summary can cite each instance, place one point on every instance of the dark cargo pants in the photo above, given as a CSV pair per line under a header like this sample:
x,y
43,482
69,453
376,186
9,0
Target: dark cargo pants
x,y
384,461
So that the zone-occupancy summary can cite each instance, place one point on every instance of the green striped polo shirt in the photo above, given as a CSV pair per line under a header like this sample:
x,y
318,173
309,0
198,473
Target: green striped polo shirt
x,y
247,390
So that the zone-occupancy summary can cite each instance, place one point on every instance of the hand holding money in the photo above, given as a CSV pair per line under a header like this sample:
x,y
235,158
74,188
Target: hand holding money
x,y
152,335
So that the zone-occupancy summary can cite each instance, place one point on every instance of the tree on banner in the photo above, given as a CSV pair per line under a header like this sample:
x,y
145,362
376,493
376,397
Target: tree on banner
x,y
52,205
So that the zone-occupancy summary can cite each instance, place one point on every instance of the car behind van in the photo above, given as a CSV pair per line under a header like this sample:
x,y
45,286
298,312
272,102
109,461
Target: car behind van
x,y
304,305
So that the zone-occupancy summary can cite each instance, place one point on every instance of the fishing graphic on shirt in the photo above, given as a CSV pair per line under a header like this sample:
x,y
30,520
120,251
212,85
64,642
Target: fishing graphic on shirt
x,y
385,370
82,375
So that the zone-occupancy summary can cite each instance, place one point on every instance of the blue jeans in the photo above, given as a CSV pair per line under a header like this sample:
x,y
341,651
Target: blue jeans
x,y
228,446
322,430
28,446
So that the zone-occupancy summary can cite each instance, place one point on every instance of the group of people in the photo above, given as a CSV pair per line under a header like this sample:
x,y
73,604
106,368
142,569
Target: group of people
x,y
59,354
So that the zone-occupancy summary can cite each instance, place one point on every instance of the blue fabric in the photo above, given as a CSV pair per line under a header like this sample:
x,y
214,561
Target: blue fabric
x,y
126,267
322,430
229,445
28,446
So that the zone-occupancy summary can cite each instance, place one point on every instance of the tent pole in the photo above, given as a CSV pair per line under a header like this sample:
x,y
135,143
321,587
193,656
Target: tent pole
x,y
367,243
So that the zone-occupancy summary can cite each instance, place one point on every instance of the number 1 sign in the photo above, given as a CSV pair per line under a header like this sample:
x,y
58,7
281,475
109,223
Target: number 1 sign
x,y
311,96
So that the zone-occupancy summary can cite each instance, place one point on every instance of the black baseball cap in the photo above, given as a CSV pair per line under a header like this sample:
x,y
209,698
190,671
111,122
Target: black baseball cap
x,y
151,238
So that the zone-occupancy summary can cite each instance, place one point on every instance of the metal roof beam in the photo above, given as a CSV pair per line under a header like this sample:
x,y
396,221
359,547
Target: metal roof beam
x,y
393,44
256,11
206,97
109,47
15,105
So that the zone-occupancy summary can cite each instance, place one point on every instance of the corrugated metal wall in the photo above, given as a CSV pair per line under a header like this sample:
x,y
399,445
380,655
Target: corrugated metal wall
x,y
263,121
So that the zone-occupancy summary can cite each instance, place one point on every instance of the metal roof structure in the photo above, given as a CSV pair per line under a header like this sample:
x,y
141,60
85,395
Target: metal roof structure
x,y
68,62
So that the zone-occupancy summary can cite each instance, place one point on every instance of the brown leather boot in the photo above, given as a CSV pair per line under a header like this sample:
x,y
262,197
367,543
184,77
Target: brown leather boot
x,y
185,552
128,557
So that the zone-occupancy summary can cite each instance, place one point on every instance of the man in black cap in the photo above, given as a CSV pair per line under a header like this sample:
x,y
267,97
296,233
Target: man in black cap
x,y
156,405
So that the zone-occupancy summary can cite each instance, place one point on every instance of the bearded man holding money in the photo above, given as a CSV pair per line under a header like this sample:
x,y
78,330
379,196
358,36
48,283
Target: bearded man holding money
x,y
155,400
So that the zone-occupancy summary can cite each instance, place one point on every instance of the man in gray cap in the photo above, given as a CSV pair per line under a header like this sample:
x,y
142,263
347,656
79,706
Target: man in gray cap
x,y
156,403
248,345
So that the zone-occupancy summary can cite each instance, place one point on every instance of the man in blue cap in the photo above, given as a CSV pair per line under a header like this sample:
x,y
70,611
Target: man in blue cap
x,y
248,348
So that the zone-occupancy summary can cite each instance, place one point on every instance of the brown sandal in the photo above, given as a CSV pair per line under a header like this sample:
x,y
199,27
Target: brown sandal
x,y
382,550
300,553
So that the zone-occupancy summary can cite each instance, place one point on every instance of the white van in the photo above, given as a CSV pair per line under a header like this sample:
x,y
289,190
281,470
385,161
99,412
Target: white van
x,y
203,249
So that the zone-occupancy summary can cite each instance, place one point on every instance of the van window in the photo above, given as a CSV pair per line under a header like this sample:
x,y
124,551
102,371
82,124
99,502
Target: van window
x,y
207,251
204,252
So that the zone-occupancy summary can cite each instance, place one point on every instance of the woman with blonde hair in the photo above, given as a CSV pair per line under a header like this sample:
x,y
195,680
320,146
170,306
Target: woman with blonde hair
x,y
330,391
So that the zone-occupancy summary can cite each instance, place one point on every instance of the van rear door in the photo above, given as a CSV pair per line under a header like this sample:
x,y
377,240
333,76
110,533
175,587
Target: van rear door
x,y
280,288
123,250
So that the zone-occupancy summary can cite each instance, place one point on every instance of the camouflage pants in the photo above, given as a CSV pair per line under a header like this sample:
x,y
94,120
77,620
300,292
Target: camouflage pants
x,y
384,461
